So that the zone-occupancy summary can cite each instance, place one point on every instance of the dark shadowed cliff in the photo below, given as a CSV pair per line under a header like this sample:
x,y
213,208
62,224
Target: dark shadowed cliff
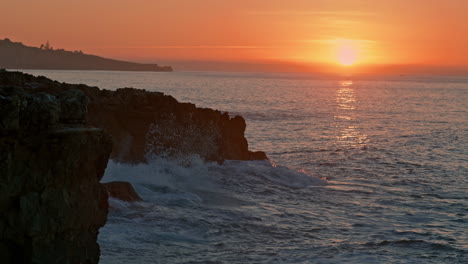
x,y
150,123
15,55
51,161
51,202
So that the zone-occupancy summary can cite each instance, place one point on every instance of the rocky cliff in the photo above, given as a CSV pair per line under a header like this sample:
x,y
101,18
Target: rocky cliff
x,y
51,161
51,202
146,123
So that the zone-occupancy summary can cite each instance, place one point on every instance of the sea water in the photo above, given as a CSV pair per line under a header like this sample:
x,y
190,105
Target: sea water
x,y
363,169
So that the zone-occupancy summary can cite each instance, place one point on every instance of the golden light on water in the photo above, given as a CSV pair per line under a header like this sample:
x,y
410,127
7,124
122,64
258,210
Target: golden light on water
x,y
345,97
349,132
346,83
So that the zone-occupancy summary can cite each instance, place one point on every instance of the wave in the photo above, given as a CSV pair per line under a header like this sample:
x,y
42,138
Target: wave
x,y
190,183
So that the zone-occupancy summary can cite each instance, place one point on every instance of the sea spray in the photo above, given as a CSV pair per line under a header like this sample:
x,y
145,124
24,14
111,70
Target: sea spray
x,y
191,174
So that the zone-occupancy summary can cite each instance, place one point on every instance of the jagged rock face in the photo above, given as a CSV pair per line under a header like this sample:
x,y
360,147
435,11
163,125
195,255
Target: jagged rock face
x,y
143,122
73,106
51,202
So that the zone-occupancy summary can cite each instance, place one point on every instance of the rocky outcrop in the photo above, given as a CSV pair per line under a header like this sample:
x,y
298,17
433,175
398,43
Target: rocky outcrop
x,y
146,123
51,202
122,190
143,122
51,161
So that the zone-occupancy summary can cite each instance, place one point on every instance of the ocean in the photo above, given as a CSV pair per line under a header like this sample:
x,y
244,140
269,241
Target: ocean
x,y
363,169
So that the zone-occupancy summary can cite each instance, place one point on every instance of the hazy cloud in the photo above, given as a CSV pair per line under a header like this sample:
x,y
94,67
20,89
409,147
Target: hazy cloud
x,y
196,47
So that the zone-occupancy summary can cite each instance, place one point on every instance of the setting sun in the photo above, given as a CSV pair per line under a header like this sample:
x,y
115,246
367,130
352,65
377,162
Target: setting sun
x,y
347,54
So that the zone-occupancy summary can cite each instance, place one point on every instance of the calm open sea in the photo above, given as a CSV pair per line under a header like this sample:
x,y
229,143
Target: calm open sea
x,y
366,169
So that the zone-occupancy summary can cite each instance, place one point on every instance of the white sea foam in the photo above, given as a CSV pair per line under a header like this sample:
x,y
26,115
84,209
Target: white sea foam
x,y
199,176
161,172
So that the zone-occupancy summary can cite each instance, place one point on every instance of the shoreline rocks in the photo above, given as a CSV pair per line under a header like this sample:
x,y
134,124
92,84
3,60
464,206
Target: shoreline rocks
x,y
144,123
51,202
53,157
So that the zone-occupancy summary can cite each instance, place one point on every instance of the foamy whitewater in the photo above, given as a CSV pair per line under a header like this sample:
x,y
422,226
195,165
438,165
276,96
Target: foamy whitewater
x,y
363,170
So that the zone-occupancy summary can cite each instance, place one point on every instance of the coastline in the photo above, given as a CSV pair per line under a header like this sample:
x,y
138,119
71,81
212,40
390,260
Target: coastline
x,y
60,120
19,56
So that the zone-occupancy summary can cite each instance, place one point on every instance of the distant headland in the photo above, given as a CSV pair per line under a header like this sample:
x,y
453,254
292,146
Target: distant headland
x,y
16,55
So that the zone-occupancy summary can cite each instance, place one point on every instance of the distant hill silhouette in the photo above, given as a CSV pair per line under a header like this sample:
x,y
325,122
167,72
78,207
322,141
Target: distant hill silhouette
x,y
16,55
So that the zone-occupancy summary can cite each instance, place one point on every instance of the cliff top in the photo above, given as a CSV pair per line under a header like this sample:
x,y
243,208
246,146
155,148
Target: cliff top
x,y
142,123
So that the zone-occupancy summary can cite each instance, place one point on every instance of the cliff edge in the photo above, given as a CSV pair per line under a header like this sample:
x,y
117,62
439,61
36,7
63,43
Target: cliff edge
x,y
51,202
143,123
51,161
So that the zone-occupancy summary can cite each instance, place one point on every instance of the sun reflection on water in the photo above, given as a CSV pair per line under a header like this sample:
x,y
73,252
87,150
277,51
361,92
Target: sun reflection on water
x,y
349,133
346,83
345,96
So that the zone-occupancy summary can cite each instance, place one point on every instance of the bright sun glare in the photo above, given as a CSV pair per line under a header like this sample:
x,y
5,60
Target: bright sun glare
x,y
346,54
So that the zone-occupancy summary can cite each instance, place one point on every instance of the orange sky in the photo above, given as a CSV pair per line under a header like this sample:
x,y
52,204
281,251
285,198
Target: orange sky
x,y
427,32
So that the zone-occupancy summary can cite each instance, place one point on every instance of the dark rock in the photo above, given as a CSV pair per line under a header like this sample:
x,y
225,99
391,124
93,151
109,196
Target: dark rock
x,y
148,123
9,112
39,112
73,106
144,124
51,202
258,155
122,190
